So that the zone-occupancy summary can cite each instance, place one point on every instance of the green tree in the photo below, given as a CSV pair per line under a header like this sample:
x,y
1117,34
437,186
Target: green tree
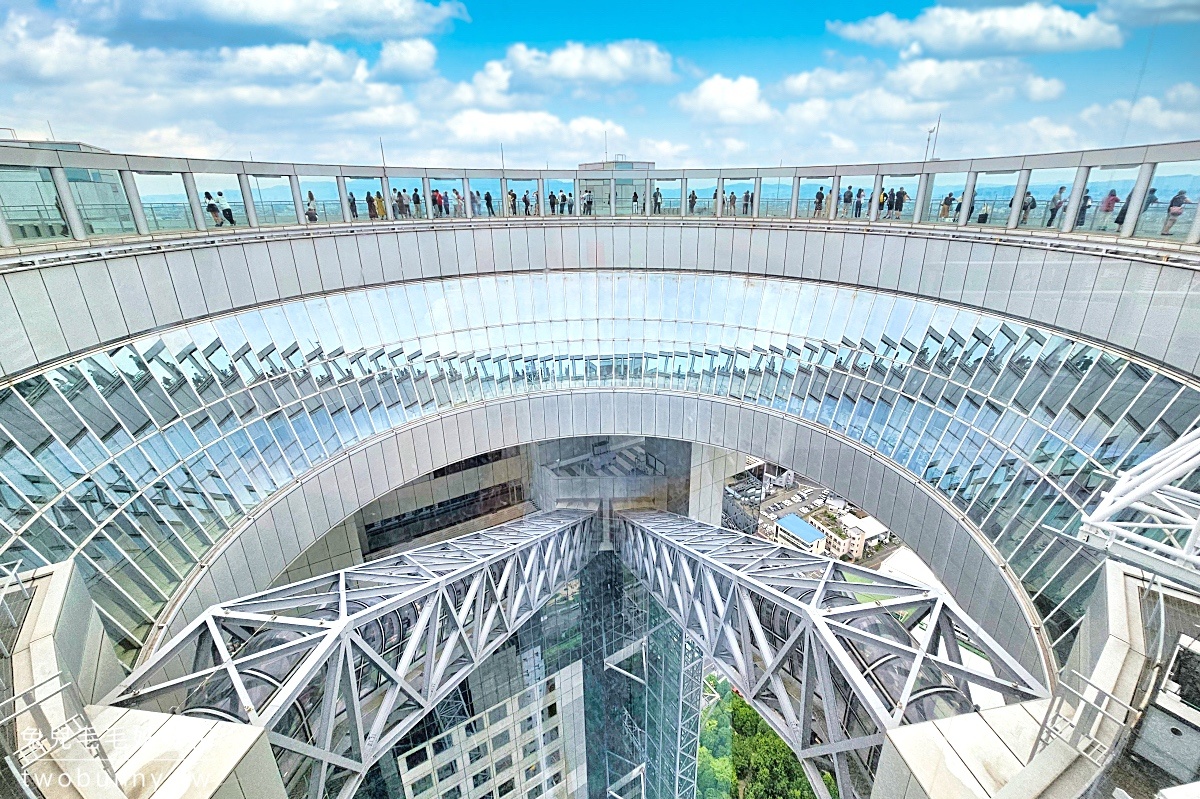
x,y
776,773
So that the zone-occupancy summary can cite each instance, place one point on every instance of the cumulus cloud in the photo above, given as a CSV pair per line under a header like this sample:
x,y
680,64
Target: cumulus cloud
x,y
629,61
1177,118
406,58
1149,12
372,20
474,126
824,81
1041,89
488,87
732,101
1033,27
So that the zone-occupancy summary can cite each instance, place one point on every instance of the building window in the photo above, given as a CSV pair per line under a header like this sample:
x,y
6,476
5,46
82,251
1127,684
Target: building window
x,y
497,714
478,753
553,758
501,740
532,769
550,712
414,759
528,724
453,793
481,777
422,785
534,792
504,764
447,771
529,748
442,744
551,736
506,787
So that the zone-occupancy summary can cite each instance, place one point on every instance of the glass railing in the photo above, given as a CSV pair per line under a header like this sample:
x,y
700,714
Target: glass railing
x,y
275,212
33,222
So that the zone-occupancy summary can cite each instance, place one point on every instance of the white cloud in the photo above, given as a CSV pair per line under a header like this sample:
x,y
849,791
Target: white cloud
x,y
629,61
406,58
1041,89
732,101
474,126
489,87
373,20
822,81
1033,27
732,145
662,151
1172,120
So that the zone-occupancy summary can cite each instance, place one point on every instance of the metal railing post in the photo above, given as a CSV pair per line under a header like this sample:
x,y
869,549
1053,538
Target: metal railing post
x,y
71,211
541,198
1133,207
1193,236
388,201
504,197
1018,199
428,205
134,198
683,197
968,199
648,199
719,205
247,199
794,202
1078,186
193,195
754,205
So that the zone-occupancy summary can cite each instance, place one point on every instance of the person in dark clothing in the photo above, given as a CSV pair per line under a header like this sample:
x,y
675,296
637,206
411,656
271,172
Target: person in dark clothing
x,y
487,200
819,201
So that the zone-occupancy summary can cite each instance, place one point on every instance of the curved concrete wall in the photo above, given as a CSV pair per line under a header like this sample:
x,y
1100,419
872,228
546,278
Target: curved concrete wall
x,y
297,516
1094,292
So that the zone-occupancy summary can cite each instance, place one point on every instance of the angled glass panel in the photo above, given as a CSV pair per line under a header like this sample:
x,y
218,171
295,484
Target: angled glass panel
x,y
321,202
1169,210
221,199
945,198
31,206
164,201
813,199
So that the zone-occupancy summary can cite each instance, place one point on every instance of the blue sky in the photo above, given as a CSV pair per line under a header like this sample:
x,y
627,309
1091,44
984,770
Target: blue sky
x,y
445,83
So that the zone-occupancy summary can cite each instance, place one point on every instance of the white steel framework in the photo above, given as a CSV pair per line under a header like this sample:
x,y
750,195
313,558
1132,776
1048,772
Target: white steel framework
x,y
340,667
1153,508
831,654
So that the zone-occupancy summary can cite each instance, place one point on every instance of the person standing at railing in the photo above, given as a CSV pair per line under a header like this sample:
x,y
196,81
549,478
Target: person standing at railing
x,y
310,210
1084,205
353,203
691,203
487,202
570,203
553,203
745,203
562,202
226,211
1056,204
944,208
657,200
819,201
859,196
1107,206
847,201
1174,211
380,205
372,212
210,205
1027,205
416,202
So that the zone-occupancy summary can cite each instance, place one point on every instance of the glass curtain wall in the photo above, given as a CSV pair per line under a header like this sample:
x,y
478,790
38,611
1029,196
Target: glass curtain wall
x,y
1046,199
945,198
488,196
165,202
702,196
593,194
993,198
365,198
31,205
776,199
901,191
523,197
630,196
1102,209
321,202
813,198
272,197
854,196
1169,210
737,194
560,196
100,197
665,198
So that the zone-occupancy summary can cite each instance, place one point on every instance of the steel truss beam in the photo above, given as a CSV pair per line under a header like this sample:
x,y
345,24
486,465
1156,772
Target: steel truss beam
x,y
338,668
1153,509
831,654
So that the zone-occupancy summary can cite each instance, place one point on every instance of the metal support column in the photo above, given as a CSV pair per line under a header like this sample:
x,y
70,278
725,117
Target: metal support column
x,y
1193,236
504,197
648,199
248,200
297,198
70,210
683,197
921,202
389,205
343,197
193,195
1077,189
428,197
794,202
1133,207
873,206
135,202
541,196
968,199
719,204
833,201
754,202
469,207
1018,199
